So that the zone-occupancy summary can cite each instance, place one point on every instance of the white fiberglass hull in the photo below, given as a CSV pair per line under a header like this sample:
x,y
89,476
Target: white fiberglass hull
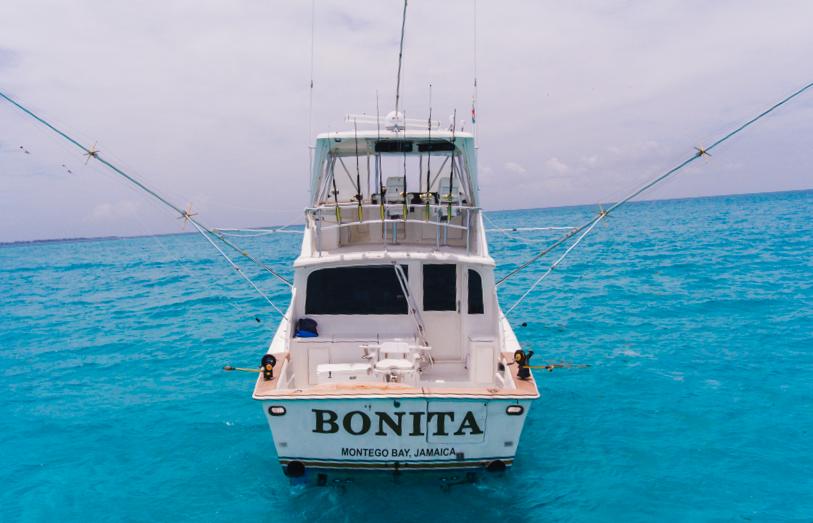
x,y
395,434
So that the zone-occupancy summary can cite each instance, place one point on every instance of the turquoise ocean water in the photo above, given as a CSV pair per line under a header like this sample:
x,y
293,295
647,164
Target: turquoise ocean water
x,y
696,317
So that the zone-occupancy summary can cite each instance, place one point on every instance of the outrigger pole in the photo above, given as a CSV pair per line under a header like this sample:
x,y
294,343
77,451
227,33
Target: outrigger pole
x,y
185,214
588,226
400,60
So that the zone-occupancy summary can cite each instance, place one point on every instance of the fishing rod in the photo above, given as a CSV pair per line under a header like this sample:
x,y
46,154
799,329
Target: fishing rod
x,y
427,195
93,153
266,368
241,369
451,169
359,196
589,224
335,193
382,190
405,193
549,367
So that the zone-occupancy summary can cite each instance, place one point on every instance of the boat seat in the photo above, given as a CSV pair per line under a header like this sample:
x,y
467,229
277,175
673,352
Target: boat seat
x,y
395,186
394,347
395,364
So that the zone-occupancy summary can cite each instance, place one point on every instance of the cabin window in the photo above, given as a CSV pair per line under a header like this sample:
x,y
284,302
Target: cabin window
x,y
439,288
475,292
355,290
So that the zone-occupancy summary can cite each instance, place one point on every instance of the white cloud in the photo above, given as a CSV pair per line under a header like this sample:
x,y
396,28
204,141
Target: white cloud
x,y
115,210
208,101
514,167
590,161
556,165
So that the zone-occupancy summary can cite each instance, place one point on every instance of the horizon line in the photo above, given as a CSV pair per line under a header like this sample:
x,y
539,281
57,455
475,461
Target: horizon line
x,y
644,200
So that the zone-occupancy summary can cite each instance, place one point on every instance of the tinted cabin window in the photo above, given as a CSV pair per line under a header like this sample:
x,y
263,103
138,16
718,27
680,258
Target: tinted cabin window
x,y
439,288
475,293
355,290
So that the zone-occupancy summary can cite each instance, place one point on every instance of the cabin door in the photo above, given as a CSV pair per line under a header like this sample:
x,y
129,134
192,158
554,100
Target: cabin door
x,y
441,311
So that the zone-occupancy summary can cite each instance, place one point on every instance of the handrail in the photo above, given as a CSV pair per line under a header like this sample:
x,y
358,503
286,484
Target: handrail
x,y
397,205
394,220
329,217
412,306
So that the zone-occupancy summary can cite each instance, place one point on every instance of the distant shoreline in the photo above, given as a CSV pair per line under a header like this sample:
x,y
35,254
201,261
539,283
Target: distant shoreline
x,y
129,237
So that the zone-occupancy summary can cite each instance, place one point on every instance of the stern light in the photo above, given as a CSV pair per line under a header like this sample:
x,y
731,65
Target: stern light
x,y
515,410
276,410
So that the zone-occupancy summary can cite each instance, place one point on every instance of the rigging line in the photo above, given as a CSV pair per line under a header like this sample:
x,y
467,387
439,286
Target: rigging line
x,y
525,241
272,228
182,266
347,171
555,264
529,229
248,255
440,171
248,233
698,154
202,231
92,152
400,60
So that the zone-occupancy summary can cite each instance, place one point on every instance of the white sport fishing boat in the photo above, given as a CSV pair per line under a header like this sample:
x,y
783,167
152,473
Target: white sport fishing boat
x,y
394,353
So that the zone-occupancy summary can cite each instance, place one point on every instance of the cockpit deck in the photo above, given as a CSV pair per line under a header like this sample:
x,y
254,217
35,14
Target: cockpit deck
x,y
426,388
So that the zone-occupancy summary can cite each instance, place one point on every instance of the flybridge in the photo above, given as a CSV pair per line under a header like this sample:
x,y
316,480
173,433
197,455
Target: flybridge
x,y
392,186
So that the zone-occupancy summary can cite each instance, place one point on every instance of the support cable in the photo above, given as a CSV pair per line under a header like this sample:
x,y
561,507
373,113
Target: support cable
x,y
92,152
234,266
554,264
699,152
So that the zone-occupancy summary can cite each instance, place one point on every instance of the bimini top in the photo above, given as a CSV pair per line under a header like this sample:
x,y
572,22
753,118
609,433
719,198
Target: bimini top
x,y
410,142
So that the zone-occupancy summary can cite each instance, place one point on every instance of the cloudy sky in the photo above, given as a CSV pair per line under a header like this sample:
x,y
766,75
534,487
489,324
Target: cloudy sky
x,y
208,101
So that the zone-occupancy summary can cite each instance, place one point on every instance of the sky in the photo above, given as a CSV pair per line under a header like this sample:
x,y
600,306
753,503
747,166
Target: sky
x,y
207,101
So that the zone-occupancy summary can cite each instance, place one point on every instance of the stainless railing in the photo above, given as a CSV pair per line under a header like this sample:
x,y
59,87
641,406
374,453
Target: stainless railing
x,y
382,222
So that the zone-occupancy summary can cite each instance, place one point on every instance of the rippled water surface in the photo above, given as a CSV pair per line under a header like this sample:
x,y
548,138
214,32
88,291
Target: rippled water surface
x,y
696,317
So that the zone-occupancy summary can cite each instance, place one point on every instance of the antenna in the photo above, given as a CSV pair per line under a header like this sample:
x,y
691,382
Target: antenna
x,y
474,90
310,89
400,60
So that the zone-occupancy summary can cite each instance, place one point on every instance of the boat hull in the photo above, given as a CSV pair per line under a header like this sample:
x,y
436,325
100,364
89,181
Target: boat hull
x,y
397,434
